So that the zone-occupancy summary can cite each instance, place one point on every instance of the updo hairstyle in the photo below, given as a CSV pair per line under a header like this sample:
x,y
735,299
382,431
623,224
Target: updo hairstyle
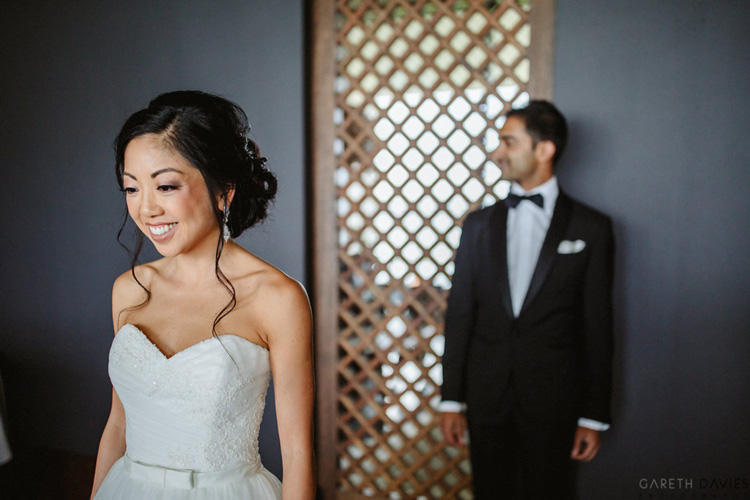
x,y
210,132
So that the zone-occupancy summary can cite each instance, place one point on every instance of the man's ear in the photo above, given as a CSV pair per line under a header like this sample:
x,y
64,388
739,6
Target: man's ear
x,y
545,151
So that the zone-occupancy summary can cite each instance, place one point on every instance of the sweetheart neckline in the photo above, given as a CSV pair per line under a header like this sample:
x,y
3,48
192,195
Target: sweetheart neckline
x,y
167,358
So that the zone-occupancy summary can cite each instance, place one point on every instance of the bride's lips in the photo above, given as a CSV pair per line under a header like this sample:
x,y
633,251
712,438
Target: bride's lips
x,y
161,232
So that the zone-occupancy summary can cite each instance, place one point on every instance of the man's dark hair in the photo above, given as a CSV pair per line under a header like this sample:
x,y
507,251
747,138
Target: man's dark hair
x,y
544,122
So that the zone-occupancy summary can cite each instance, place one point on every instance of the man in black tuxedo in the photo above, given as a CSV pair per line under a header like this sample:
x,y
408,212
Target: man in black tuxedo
x,y
528,330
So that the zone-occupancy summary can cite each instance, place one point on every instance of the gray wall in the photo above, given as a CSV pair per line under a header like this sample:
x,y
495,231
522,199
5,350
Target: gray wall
x,y
657,95
72,72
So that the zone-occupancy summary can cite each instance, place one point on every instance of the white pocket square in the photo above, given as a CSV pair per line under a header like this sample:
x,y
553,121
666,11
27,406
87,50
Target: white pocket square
x,y
567,246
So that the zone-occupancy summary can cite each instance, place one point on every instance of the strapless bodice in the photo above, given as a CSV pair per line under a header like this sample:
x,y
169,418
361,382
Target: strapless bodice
x,y
199,409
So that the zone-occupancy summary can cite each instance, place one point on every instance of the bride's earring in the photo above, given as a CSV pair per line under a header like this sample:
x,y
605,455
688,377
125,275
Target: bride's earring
x,y
225,223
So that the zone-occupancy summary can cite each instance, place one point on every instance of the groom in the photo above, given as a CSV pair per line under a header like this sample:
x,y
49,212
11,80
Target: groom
x,y
528,330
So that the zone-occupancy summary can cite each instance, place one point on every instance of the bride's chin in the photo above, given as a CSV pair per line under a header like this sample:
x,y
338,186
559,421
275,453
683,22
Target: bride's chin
x,y
166,248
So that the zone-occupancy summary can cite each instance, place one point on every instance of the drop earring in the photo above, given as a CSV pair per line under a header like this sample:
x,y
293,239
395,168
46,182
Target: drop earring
x,y
225,223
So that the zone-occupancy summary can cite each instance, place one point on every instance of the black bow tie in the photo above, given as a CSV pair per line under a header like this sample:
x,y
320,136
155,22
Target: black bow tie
x,y
513,200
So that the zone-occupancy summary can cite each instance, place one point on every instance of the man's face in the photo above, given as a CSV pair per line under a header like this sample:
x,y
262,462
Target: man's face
x,y
516,155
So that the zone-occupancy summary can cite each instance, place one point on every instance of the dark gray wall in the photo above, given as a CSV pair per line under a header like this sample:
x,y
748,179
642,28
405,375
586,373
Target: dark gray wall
x,y
72,72
658,96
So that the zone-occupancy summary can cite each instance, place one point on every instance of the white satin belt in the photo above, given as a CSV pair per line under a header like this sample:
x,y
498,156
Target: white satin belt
x,y
186,479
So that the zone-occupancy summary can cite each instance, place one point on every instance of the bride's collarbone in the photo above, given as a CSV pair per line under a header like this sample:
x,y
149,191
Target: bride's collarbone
x,y
176,325
176,317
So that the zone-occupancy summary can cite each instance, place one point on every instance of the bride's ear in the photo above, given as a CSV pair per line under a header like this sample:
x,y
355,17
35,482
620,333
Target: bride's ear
x,y
226,198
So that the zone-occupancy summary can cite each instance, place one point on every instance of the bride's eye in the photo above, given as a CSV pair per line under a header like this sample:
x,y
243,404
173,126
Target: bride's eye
x,y
129,190
165,188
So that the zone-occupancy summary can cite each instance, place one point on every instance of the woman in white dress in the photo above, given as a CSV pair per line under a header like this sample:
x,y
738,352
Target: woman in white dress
x,y
200,331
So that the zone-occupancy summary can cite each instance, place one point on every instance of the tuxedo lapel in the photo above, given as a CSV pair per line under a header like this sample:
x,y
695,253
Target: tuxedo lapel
x,y
555,234
499,253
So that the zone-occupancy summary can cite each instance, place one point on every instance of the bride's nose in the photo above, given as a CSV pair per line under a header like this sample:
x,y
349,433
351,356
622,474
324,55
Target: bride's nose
x,y
150,206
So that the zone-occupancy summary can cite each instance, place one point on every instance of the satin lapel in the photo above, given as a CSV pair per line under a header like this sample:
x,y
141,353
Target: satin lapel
x,y
555,234
499,253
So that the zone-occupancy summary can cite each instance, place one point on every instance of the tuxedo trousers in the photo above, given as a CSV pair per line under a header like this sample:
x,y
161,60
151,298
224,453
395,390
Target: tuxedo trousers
x,y
521,456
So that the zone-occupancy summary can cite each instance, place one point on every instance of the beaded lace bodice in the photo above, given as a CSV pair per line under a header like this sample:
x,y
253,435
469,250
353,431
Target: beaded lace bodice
x,y
199,409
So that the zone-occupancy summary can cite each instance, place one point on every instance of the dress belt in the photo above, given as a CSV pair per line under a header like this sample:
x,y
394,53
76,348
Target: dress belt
x,y
186,479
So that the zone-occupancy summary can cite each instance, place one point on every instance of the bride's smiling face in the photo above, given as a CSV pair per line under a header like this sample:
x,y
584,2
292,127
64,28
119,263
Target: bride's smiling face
x,y
167,197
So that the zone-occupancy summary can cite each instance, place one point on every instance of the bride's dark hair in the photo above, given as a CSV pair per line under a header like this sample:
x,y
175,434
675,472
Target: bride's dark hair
x,y
210,132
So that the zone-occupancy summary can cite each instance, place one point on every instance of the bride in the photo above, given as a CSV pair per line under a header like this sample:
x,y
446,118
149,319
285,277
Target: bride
x,y
201,330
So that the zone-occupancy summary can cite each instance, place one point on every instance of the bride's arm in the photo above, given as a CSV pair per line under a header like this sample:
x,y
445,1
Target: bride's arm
x,y
112,444
288,324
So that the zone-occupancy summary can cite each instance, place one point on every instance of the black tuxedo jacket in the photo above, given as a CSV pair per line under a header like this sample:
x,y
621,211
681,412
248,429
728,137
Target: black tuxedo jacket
x,y
557,353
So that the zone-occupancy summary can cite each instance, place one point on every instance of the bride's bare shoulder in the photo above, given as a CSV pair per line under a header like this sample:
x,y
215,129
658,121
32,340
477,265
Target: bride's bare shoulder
x,y
132,281
267,287
279,301
131,289
266,280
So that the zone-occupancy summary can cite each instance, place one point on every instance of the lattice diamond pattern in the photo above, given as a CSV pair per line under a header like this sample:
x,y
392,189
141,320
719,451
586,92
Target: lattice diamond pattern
x,y
420,87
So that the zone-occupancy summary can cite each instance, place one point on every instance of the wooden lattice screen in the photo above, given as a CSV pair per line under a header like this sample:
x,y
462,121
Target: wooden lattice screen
x,y
406,102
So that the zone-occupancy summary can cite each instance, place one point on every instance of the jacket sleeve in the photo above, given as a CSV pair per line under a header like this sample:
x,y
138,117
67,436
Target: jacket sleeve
x,y
459,316
598,329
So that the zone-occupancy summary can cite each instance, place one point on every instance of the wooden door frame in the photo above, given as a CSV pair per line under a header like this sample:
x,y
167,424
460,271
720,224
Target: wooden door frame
x,y
322,194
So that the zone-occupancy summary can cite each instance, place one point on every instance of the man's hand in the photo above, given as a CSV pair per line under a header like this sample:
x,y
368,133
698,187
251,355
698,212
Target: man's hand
x,y
585,445
453,425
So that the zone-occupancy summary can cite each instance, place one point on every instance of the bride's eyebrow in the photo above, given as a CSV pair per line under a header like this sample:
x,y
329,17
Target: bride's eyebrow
x,y
164,171
157,173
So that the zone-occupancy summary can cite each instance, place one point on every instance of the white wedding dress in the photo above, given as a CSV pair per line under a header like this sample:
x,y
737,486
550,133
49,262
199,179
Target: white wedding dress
x,y
192,420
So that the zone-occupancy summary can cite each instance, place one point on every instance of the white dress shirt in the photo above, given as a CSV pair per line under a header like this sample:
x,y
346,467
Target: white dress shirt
x,y
526,229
